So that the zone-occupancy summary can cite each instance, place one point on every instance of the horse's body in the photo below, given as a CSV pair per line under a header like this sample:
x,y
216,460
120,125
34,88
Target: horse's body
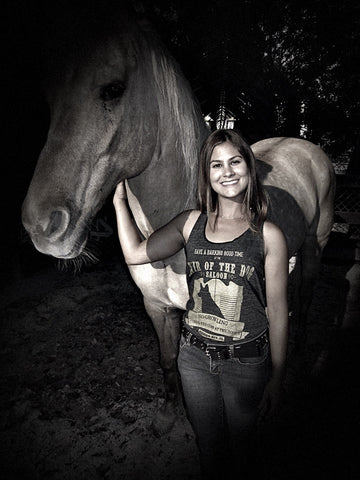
x,y
122,109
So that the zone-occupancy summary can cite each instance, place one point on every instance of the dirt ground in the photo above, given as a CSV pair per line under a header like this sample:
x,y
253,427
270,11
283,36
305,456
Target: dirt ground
x,y
81,383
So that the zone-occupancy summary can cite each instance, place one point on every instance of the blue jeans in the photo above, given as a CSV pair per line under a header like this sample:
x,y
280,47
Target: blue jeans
x,y
221,399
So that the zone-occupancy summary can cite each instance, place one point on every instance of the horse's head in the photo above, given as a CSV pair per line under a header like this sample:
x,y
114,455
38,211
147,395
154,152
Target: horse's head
x,y
96,137
105,116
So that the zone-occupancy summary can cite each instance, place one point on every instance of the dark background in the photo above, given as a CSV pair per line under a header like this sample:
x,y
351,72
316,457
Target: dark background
x,y
74,388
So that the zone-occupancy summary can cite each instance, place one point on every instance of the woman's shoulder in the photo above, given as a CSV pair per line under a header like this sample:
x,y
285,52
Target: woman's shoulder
x,y
273,235
269,228
191,217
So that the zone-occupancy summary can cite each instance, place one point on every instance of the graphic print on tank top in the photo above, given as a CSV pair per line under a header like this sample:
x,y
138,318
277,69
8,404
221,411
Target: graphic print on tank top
x,y
217,307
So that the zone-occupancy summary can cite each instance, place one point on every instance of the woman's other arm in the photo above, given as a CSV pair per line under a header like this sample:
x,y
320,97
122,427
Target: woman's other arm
x,y
276,277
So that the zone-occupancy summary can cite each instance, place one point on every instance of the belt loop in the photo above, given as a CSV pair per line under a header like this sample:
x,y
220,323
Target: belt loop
x,y
187,334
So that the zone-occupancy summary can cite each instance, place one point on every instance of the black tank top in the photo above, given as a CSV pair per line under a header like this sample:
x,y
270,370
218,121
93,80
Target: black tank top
x,y
227,287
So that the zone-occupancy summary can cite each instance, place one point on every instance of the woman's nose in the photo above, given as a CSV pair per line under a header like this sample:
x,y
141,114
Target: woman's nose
x,y
228,171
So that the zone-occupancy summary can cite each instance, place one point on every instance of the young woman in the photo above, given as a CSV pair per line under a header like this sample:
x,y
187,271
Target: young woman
x,y
234,335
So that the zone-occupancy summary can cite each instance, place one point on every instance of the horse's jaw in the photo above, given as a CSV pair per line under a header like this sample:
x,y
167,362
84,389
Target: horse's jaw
x,y
65,250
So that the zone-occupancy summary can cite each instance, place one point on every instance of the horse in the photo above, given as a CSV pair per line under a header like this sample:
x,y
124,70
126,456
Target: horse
x,y
121,108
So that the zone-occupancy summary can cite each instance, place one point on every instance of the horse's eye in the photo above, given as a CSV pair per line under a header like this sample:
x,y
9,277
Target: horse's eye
x,y
112,91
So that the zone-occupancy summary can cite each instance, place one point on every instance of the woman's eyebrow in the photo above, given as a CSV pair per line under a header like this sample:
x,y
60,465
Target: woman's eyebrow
x,y
231,158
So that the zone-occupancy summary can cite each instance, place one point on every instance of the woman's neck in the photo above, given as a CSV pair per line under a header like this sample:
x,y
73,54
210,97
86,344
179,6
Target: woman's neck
x,y
220,229
231,210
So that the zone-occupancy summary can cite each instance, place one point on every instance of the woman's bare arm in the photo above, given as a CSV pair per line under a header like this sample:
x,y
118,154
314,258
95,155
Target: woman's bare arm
x,y
276,276
163,243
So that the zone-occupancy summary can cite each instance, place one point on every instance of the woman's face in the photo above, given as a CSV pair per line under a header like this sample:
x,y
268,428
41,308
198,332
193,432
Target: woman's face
x,y
229,173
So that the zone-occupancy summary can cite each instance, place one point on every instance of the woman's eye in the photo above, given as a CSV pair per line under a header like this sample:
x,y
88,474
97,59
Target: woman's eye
x,y
216,165
237,161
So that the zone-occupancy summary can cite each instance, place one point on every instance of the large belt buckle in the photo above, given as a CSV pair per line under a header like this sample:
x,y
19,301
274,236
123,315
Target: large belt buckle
x,y
211,352
225,353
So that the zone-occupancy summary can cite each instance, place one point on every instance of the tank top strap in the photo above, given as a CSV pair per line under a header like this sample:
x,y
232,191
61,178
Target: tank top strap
x,y
199,227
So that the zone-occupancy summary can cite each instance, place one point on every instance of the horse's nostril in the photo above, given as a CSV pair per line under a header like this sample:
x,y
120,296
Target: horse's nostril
x,y
59,221
55,222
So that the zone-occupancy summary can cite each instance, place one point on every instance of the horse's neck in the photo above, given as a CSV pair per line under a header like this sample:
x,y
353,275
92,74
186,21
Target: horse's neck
x,y
168,185
160,192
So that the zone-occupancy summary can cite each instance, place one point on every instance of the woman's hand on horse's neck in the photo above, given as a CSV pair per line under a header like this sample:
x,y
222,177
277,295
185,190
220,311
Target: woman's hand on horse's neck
x,y
163,243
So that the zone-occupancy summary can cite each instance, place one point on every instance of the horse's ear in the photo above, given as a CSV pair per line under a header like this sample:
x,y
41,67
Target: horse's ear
x,y
139,12
138,6
145,24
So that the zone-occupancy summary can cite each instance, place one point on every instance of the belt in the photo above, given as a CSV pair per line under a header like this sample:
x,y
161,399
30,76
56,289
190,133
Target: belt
x,y
225,352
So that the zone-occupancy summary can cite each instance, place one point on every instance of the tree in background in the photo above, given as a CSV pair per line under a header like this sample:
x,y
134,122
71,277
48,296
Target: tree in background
x,y
288,68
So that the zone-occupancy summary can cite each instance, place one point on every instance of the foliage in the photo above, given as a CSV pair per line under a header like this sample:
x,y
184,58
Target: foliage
x,y
288,68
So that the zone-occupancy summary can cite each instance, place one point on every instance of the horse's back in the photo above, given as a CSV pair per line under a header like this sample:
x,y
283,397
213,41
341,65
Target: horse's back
x,y
302,170
293,159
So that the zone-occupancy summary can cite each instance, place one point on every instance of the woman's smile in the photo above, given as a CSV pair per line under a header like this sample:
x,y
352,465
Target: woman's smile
x,y
230,182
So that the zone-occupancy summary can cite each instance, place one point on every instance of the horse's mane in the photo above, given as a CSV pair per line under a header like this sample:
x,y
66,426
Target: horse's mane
x,y
180,107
